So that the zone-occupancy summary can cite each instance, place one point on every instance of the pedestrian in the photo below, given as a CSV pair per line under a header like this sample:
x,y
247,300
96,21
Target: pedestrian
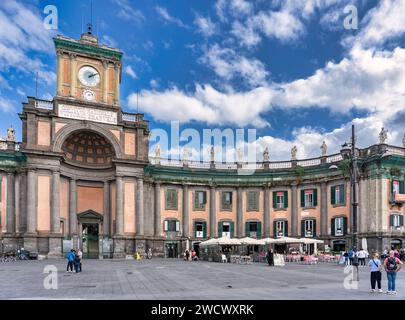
x,y
362,254
70,260
392,265
375,274
77,262
194,256
396,254
187,255
79,254
270,257
351,255
346,255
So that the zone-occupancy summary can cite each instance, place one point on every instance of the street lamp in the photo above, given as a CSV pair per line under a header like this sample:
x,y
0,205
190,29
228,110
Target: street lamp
x,y
348,152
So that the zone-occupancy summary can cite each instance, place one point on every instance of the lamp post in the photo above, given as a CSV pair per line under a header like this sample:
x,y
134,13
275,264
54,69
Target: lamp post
x,y
348,152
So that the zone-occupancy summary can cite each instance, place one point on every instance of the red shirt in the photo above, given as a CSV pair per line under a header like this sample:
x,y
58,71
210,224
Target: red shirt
x,y
396,260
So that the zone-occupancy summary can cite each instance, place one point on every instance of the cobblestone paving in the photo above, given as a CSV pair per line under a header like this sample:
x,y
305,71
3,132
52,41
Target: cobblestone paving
x,y
176,279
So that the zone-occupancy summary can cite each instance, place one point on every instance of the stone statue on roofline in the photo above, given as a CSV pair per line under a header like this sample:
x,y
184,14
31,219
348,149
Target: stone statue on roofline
x,y
266,156
383,135
324,149
294,153
157,151
212,154
11,134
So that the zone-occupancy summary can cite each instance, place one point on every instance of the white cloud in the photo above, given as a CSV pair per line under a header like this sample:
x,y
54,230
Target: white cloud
x,y
154,83
205,26
109,41
246,35
164,14
6,105
228,65
130,71
241,6
127,12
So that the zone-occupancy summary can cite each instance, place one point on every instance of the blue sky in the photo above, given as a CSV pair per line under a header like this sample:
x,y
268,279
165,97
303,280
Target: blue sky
x,y
286,68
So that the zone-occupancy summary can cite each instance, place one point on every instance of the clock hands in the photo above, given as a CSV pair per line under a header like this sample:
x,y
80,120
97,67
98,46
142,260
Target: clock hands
x,y
93,75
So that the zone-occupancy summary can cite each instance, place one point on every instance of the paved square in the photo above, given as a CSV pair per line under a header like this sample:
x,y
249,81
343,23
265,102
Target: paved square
x,y
177,279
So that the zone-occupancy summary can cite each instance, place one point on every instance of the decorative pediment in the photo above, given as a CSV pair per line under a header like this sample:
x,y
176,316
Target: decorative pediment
x,y
90,215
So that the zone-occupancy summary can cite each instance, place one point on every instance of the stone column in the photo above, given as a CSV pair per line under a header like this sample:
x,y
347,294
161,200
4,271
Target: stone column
x,y
213,217
324,209
31,202
105,82
55,203
10,203
266,212
73,208
17,204
107,210
73,75
186,213
119,220
239,213
60,72
117,67
294,210
139,219
158,224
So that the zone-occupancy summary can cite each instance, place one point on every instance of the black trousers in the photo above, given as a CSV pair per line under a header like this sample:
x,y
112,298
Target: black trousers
x,y
350,261
69,266
362,261
375,277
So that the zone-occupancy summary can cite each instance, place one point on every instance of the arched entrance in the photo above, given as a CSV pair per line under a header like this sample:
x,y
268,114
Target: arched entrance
x,y
396,244
90,229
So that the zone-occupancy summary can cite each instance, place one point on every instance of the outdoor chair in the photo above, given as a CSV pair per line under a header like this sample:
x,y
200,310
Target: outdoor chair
x,y
224,259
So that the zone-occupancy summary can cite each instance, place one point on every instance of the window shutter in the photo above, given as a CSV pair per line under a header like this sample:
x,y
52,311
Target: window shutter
x,y
342,193
401,220
232,229
286,228
247,231
166,225
333,233
205,197
274,199
315,197
401,187
223,199
275,229
302,228
391,220
314,226
285,199
230,197
250,200
219,229
259,230
195,196
392,186
344,225
177,226
302,198
175,204
333,195
204,229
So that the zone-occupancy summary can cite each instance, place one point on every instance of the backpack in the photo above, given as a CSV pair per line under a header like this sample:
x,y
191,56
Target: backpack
x,y
391,264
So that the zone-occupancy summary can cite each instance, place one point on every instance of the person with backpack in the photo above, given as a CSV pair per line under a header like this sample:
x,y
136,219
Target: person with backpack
x,y
392,265
375,276
351,255
70,260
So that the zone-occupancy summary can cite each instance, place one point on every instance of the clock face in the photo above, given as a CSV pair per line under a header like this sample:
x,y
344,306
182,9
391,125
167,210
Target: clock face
x,y
89,76
89,95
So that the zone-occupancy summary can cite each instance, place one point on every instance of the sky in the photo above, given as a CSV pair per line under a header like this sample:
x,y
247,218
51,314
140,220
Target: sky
x,y
289,69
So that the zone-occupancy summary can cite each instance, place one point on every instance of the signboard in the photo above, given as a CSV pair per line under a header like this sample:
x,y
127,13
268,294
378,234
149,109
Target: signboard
x,y
90,114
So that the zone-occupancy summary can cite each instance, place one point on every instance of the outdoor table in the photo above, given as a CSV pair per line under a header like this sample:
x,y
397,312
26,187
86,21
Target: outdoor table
x,y
235,259
246,259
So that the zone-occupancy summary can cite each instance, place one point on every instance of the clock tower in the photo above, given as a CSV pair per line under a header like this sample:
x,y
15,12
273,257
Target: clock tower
x,y
88,71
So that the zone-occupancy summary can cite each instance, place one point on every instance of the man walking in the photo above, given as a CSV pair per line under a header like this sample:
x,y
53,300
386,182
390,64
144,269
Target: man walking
x,y
392,265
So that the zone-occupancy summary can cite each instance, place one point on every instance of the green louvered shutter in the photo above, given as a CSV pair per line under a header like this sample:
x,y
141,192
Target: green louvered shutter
x,y
303,198
342,193
286,228
315,196
204,230
274,199
314,230
232,229
302,228
401,220
392,186
247,229
333,233
333,195
219,229
259,230
401,187
205,197
285,199
391,220
344,225
195,196
275,229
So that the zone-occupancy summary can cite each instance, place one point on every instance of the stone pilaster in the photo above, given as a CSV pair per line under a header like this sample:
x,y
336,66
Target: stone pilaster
x,y
105,82
294,210
73,207
324,209
266,212
139,219
157,222
117,68
186,212
119,229
239,213
107,210
60,72
55,203
213,216
73,75
17,203
30,240
10,203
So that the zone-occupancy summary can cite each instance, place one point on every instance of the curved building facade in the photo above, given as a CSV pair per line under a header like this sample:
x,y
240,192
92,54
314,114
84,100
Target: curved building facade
x,y
82,177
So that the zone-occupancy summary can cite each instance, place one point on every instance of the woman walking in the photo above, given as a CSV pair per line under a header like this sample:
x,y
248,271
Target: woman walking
x,y
375,275
270,257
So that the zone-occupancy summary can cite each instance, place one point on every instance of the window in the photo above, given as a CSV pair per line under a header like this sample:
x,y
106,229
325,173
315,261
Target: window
x,y
308,198
253,229
253,201
171,199
339,222
199,230
338,194
280,200
226,229
226,203
395,186
397,221
200,200
309,228
172,226
280,229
